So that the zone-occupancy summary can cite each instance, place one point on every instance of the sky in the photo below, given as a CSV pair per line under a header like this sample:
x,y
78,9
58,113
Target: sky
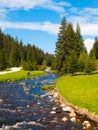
x,y
37,21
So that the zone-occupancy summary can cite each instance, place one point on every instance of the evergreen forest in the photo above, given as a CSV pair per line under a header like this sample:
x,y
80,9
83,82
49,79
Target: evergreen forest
x,y
13,53
71,54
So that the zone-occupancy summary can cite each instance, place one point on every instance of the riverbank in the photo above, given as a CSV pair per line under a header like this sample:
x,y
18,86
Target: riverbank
x,y
17,75
77,109
80,90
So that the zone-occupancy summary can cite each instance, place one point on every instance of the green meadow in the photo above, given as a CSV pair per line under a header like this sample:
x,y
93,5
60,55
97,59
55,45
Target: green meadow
x,y
81,90
14,76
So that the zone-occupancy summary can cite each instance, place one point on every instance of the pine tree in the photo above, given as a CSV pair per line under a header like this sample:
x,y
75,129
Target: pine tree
x,y
95,47
82,61
61,46
73,63
2,60
79,40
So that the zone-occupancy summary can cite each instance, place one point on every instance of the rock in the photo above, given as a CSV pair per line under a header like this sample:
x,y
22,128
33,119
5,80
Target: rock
x,y
67,109
64,119
22,83
53,112
28,106
55,95
62,105
86,125
73,119
1,100
72,114
54,108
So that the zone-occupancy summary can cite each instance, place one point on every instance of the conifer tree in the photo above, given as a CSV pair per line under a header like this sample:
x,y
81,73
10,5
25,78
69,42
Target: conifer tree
x,y
73,63
79,41
95,47
61,46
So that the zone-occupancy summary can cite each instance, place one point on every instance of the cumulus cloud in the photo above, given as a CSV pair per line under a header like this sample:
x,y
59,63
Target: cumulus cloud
x,y
30,4
87,19
45,26
89,44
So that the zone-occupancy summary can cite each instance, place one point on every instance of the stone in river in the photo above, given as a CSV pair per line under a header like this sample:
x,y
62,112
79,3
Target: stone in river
x,y
72,114
67,109
53,112
64,119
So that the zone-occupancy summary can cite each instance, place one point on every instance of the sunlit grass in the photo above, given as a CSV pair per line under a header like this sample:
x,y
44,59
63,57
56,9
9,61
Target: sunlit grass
x,y
14,76
80,90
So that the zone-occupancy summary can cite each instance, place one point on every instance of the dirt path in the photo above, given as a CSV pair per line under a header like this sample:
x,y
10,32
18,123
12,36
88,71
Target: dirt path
x,y
13,69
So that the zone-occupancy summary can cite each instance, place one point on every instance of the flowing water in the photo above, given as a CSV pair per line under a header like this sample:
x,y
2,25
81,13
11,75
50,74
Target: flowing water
x,y
24,106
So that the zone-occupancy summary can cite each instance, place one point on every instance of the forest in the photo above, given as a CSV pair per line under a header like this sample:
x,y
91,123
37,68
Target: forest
x,y
13,53
71,54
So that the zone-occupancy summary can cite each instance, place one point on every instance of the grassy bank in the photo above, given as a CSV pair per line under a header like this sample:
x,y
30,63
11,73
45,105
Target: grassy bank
x,y
14,76
80,90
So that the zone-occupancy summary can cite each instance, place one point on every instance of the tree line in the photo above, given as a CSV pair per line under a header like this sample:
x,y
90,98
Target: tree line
x,y
70,54
14,54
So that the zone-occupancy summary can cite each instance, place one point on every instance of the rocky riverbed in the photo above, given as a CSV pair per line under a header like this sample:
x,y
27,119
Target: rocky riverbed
x,y
24,106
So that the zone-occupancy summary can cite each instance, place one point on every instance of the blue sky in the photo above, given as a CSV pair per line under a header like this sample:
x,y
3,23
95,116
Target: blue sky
x,y
37,21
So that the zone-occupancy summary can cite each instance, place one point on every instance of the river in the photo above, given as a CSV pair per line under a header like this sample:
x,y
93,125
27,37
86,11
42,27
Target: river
x,y
24,106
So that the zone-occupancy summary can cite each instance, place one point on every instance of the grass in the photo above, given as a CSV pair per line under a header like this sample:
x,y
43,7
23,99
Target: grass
x,y
48,87
14,76
80,90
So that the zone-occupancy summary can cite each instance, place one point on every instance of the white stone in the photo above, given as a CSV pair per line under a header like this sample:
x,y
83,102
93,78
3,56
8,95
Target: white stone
x,y
64,119
54,108
73,119
53,112
72,114
86,124
62,105
55,95
1,100
68,109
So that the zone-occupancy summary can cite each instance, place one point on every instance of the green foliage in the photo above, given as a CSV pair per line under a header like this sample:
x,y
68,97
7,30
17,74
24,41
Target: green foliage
x,y
13,54
73,63
71,54
90,65
2,61
95,48
80,90
82,61
44,63
47,87
69,41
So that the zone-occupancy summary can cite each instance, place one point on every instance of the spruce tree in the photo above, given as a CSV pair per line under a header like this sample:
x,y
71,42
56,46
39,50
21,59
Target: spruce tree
x,y
79,41
73,63
95,47
61,47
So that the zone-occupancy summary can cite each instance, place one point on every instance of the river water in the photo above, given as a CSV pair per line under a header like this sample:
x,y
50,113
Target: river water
x,y
24,106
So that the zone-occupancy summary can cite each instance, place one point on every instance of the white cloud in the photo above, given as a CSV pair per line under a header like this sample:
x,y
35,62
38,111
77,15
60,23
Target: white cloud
x,y
30,4
87,19
89,29
45,26
89,44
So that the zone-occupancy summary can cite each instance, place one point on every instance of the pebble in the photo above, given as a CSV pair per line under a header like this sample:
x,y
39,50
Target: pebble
x,y
1,100
64,119
72,114
54,108
86,125
52,112
67,109
62,105
73,119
